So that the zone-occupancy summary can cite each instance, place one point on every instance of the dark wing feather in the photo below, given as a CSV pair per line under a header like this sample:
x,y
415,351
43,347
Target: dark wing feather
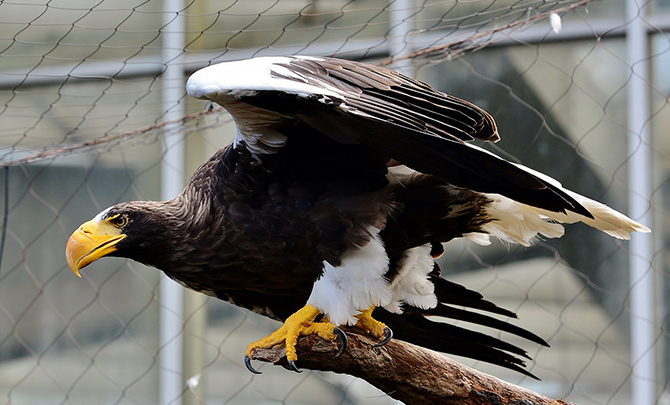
x,y
455,301
390,96
457,294
402,118
480,319
414,326
446,338
447,158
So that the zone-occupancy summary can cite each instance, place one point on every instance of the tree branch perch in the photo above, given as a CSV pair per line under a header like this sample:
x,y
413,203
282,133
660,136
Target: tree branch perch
x,y
408,373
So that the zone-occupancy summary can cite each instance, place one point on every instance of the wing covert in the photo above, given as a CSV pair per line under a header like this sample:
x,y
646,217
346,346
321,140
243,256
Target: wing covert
x,y
356,88
404,119
389,96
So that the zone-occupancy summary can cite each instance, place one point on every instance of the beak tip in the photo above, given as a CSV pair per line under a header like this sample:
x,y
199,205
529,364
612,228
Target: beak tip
x,y
70,259
89,243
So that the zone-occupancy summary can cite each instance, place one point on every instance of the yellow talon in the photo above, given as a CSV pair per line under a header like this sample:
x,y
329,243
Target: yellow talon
x,y
369,324
299,324
373,326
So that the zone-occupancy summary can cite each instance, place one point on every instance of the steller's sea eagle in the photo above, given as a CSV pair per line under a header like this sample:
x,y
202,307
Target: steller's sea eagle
x,y
334,200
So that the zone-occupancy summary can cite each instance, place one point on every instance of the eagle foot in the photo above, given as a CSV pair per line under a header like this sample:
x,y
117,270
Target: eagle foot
x,y
388,335
375,328
299,324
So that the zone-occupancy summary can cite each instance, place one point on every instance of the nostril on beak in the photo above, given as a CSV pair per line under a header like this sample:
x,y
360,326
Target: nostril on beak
x,y
86,230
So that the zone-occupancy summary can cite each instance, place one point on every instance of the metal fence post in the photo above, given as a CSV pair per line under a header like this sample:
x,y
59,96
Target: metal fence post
x,y
171,374
639,178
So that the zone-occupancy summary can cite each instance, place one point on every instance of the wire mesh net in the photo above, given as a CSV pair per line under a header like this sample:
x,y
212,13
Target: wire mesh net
x,y
83,116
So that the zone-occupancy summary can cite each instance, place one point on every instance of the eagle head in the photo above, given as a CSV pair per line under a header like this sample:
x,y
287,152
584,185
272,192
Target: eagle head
x,y
131,230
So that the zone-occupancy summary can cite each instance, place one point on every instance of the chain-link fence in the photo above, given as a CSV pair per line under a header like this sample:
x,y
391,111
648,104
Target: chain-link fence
x,y
90,89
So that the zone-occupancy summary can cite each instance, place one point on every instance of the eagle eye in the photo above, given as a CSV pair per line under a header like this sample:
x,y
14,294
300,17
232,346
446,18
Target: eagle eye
x,y
119,220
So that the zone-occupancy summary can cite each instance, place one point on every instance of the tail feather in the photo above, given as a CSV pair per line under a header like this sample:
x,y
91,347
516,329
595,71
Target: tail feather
x,y
483,320
449,294
414,326
604,218
471,336
456,294
513,221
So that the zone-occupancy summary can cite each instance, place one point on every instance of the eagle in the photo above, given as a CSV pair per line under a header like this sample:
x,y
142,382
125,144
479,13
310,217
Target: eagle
x,y
333,203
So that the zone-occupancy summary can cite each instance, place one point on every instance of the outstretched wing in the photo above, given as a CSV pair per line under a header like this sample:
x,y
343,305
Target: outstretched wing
x,y
351,102
385,95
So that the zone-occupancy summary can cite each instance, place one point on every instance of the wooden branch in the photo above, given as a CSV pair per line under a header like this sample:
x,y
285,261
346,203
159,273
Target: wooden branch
x,y
408,373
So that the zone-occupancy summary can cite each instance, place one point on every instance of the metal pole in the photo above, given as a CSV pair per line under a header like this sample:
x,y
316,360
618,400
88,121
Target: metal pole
x,y
639,178
400,22
171,374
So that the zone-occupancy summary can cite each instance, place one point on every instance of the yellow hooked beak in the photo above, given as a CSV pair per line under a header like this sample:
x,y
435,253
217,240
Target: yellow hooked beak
x,y
90,242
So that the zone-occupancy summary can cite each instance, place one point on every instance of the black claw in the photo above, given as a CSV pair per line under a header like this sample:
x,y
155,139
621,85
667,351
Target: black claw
x,y
291,366
387,338
247,362
343,339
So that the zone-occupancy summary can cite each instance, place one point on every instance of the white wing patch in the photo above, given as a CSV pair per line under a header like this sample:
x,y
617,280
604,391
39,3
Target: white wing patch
x,y
239,78
226,83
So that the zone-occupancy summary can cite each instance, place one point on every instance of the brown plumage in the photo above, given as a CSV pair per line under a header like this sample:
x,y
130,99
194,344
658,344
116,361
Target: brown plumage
x,y
343,174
